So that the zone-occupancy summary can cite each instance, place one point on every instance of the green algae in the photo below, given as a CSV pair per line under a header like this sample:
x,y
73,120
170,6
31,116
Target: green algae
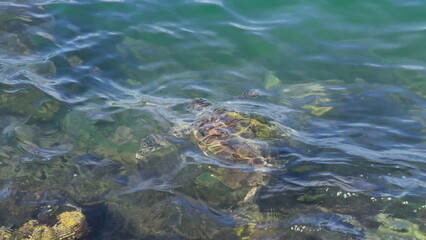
x,y
69,226
271,81
395,228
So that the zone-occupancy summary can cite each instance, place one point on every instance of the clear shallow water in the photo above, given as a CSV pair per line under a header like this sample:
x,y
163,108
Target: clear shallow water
x,y
83,82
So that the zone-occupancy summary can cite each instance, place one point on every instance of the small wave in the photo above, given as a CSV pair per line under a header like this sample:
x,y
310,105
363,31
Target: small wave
x,y
250,28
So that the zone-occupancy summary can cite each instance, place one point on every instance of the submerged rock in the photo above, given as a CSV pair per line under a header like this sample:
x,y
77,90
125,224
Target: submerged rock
x,y
68,226
396,228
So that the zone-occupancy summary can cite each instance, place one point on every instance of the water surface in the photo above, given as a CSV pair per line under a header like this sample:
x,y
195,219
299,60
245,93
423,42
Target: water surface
x,y
82,83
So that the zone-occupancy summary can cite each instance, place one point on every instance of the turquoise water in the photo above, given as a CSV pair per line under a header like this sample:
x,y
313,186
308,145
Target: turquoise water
x,y
85,84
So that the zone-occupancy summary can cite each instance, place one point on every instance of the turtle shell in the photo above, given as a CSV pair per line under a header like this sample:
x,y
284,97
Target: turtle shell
x,y
235,137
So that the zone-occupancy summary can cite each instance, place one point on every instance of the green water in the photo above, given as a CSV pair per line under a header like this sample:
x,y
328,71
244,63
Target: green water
x,y
95,106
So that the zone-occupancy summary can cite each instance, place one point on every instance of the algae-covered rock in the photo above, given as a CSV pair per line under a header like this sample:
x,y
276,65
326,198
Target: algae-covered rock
x,y
6,233
43,232
21,102
14,43
69,226
396,228
92,188
23,32
105,137
157,214
47,111
309,197
74,61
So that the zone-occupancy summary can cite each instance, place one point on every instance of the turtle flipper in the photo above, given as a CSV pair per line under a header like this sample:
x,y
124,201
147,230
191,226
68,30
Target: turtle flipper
x,y
150,144
180,131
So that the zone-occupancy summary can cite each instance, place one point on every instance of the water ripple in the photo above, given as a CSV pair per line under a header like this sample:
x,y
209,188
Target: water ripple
x,y
82,83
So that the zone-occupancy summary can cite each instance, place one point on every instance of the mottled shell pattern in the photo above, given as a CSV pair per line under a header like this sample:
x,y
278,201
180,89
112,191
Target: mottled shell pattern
x,y
235,137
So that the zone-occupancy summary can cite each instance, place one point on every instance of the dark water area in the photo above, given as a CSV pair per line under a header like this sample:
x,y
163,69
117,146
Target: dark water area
x,y
321,103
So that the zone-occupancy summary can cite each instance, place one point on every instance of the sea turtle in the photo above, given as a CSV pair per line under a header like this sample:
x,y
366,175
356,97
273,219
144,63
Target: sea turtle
x,y
229,136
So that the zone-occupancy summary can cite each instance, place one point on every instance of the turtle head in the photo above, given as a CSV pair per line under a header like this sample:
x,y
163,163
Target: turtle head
x,y
198,104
